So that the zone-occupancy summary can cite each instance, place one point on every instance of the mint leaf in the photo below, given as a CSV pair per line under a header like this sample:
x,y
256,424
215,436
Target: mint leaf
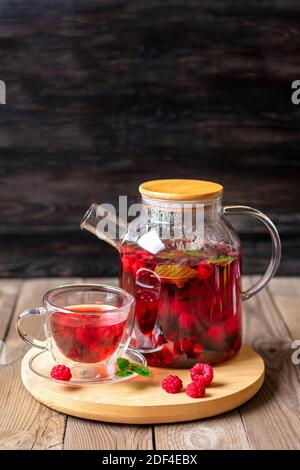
x,y
194,252
127,368
221,259
140,370
123,373
174,254
123,364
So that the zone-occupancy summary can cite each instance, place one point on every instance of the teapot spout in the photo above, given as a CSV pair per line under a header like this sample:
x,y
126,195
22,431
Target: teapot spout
x,y
103,222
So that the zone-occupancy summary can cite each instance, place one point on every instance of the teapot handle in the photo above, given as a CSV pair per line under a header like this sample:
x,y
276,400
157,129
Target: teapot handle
x,y
276,246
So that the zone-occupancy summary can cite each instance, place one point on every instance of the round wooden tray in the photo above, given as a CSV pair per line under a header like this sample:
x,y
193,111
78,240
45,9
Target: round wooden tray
x,y
142,400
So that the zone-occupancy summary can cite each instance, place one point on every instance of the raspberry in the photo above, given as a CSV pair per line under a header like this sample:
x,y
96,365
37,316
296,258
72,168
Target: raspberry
x,y
203,370
199,379
186,321
196,390
183,346
204,270
74,353
86,335
172,384
216,334
61,372
198,349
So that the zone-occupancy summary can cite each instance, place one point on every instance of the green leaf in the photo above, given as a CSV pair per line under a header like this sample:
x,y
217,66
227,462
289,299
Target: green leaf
x,y
174,254
221,259
127,368
123,373
123,364
140,370
194,252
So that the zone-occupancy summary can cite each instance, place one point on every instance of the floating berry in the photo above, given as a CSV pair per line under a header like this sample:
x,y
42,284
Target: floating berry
x,y
61,372
172,384
216,335
185,346
186,321
74,353
136,266
196,389
231,325
198,349
86,335
204,371
204,270
167,354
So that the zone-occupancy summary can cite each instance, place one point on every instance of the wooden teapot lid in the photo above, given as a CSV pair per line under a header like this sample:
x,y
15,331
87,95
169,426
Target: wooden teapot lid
x,y
181,189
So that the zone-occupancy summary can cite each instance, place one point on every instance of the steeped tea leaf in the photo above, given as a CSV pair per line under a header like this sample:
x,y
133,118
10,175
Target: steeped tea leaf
x,y
174,254
221,260
175,274
195,253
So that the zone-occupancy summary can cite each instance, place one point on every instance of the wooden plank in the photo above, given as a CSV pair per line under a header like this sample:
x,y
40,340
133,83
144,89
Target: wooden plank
x,y
271,419
9,290
25,423
286,295
85,435
222,432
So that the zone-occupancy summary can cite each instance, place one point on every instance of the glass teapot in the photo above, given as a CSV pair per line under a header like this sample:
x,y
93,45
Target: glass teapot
x,y
182,261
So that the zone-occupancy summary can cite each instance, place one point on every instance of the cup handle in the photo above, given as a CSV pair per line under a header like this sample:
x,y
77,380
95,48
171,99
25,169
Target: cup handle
x,y
276,247
27,338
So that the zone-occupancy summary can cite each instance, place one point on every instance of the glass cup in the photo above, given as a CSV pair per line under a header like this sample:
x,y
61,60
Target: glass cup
x,y
87,326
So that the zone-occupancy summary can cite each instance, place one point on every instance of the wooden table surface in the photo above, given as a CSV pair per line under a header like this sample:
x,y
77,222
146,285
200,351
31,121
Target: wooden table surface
x,y
271,420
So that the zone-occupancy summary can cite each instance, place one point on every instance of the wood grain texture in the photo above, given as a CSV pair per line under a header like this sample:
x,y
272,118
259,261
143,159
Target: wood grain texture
x,y
25,424
180,189
89,435
270,420
101,96
226,432
276,406
286,296
9,291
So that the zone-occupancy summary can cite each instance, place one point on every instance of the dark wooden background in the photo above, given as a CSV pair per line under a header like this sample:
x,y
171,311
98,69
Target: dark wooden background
x,y
102,95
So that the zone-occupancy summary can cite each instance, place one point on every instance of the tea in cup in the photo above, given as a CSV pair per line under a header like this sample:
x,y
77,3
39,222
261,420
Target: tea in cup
x,y
87,327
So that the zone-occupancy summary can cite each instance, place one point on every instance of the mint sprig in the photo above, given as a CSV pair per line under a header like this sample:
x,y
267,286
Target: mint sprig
x,y
127,368
140,370
123,373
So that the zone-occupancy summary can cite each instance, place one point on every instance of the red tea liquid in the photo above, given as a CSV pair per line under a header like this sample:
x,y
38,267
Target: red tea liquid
x,y
87,336
193,314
